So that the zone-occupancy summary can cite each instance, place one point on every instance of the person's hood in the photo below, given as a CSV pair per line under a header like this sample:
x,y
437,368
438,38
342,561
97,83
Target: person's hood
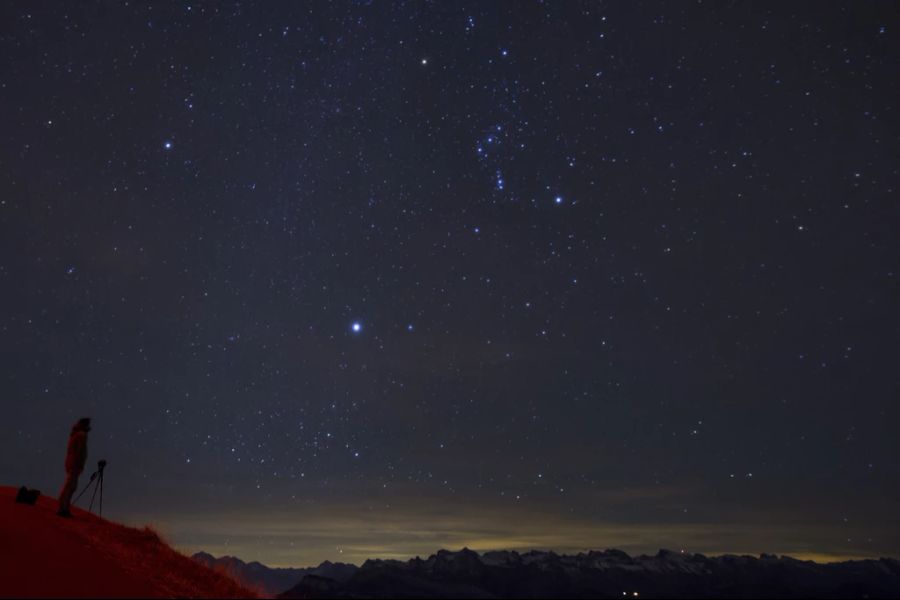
x,y
82,425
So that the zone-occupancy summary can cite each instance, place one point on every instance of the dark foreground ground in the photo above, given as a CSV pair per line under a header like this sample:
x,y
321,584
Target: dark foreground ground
x,y
43,555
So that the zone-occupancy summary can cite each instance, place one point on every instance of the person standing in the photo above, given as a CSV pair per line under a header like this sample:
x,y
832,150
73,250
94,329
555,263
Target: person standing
x,y
76,456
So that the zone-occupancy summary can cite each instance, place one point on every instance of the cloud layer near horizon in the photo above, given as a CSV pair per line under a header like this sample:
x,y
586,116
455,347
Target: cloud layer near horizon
x,y
353,531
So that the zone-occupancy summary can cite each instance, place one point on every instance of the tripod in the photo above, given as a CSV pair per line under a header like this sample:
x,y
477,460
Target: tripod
x,y
97,482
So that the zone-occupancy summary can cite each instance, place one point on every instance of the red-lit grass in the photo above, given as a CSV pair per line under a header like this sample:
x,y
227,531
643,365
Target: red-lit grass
x,y
43,555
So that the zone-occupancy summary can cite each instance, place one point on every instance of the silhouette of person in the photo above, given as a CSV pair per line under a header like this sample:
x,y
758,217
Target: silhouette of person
x,y
76,456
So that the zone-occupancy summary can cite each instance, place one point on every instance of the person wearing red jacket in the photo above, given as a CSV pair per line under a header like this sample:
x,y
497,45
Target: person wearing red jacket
x,y
76,456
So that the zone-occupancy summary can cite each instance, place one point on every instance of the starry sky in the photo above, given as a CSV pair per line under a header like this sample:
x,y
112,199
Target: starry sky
x,y
338,281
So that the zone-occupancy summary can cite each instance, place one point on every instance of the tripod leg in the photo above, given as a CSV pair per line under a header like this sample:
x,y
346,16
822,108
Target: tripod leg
x,y
78,497
93,495
100,512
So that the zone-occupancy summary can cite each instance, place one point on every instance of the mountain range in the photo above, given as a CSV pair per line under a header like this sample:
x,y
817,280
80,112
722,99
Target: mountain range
x,y
271,581
595,574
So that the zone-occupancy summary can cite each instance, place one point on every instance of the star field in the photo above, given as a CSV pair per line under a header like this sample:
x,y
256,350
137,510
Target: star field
x,y
528,275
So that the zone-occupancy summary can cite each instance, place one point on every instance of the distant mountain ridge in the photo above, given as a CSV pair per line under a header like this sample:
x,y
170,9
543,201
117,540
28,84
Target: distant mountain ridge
x,y
610,573
271,581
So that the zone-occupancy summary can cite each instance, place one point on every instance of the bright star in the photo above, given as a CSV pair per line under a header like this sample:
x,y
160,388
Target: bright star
x,y
558,199
167,145
356,327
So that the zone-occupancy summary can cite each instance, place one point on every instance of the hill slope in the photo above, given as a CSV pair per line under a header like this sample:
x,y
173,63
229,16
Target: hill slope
x,y
44,555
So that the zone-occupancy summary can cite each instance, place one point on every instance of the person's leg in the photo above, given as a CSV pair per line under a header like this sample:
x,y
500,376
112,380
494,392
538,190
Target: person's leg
x,y
69,487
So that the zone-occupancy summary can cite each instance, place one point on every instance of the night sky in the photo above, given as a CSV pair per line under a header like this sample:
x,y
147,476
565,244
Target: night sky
x,y
370,279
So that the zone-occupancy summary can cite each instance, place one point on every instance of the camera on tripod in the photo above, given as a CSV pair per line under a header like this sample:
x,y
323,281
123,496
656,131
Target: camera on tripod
x,y
101,464
97,481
